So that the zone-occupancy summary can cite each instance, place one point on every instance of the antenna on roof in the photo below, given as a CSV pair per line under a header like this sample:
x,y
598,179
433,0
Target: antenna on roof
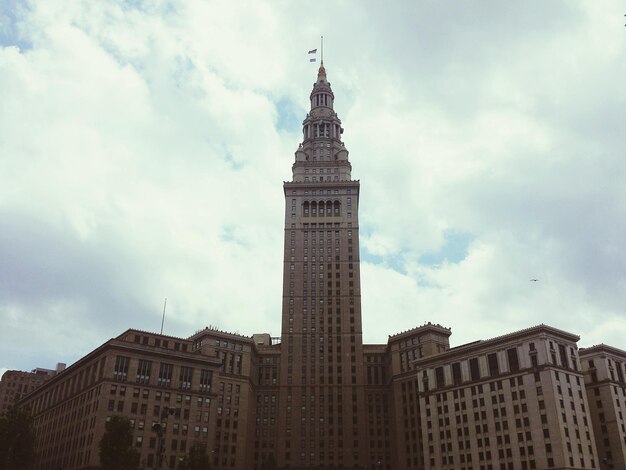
x,y
163,319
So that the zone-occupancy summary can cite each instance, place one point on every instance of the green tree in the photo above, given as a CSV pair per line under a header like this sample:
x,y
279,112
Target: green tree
x,y
17,439
116,446
197,459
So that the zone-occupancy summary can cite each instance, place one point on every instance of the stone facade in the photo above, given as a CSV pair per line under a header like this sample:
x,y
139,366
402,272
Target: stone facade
x,y
16,384
138,375
513,402
605,382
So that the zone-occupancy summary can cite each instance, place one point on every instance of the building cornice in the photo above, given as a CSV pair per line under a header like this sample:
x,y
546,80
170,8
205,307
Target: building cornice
x,y
420,329
151,333
493,343
222,334
320,184
602,348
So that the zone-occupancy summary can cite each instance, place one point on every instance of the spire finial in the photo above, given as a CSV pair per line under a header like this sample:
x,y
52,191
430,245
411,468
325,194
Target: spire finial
x,y
322,70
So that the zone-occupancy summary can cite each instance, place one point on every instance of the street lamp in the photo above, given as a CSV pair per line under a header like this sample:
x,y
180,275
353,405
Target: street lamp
x,y
159,429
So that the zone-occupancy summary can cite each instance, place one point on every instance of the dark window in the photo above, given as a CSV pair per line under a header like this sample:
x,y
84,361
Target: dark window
x,y
165,375
563,354
513,359
143,371
456,373
620,372
206,376
186,374
474,371
439,377
492,360
121,368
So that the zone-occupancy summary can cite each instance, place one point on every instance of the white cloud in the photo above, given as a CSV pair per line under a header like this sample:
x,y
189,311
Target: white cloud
x,y
142,152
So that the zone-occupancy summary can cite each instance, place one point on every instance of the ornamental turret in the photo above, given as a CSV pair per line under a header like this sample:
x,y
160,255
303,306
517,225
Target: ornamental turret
x,y
321,156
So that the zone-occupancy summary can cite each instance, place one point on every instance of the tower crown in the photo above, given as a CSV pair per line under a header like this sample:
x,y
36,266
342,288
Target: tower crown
x,y
321,147
322,95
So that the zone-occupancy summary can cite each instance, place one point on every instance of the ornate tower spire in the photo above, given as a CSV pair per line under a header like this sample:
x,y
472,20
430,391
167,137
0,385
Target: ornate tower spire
x,y
321,156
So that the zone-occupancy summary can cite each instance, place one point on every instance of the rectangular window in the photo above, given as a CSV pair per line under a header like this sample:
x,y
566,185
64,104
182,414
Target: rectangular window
x,y
206,376
492,360
620,372
143,371
563,354
439,377
185,377
121,368
238,364
513,359
474,370
165,375
456,373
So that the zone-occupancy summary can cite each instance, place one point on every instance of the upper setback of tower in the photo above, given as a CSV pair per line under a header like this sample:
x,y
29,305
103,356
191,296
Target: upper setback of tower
x,y
322,156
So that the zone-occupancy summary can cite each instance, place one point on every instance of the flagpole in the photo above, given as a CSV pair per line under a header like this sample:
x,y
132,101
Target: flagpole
x,y
163,319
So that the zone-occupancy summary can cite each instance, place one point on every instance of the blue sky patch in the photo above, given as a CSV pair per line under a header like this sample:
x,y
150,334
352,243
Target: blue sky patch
x,y
397,262
234,234
289,115
233,162
12,16
454,249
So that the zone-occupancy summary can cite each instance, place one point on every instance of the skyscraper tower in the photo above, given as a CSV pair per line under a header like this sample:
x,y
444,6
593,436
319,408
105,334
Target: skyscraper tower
x,y
321,372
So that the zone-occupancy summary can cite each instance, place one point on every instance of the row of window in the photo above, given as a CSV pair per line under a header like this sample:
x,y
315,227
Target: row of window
x,y
321,170
160,343
494,369
321,225
322,129
614,367
164,378
321,191
322,99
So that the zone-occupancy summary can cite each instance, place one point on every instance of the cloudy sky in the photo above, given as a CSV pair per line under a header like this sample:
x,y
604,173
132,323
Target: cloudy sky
x,y
143,146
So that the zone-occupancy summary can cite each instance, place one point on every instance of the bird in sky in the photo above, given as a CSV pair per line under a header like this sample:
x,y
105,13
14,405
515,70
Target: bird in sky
x,y
534,280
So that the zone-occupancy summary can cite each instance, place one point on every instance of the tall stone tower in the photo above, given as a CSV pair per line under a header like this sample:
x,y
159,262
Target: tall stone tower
x,y
321,372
